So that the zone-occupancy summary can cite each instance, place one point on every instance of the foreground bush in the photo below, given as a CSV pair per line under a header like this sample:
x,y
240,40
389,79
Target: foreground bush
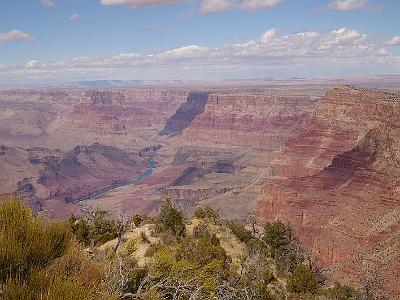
x,y
95,228
40,260
171,218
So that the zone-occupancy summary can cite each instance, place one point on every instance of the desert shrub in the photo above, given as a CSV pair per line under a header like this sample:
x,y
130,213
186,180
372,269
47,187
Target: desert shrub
x,y
121,269
28,243
39,259
81,229
284,249
171,218
201,250
95,228
152,249
137,220
302,280
206,212
342,292
240,232
256,276
277,235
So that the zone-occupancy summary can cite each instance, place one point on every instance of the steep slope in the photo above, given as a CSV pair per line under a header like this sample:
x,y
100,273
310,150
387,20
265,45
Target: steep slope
x,y
193,106
264,122
87,169
339,186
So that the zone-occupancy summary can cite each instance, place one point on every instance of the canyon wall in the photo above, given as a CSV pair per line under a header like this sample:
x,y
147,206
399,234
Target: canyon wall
x,y
339,186
182,118
264,122
125,112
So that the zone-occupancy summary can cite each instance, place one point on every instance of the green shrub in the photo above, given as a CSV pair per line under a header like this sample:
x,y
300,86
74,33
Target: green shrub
x,y
240,232
277,235
39,259
171,218
206,212
28,243
95,228
302,280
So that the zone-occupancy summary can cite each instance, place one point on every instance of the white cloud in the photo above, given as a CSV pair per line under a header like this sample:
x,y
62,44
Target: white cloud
x,y
32,64
395,41
305,52
206,6
74,17
48,3
268,36
15,35
350,4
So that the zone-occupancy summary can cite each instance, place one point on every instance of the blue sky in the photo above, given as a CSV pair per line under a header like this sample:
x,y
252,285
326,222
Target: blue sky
x,y
62,40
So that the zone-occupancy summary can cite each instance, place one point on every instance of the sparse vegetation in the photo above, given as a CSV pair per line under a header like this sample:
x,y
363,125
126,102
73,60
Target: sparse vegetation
x,y
175,263
171,218
40,260
206,212
95,228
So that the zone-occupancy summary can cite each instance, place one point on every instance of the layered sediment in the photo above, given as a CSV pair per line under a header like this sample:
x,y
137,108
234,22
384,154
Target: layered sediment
x,y
264,122
339,186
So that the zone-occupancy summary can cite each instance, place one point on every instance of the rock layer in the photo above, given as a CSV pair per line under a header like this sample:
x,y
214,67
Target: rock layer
x,y
260,121
339,186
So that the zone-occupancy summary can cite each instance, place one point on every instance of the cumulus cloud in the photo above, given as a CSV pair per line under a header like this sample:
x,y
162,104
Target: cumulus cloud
x,y
350,5
304,52
395,41
73,17
268,36
48,3
206,6
32,64
15,35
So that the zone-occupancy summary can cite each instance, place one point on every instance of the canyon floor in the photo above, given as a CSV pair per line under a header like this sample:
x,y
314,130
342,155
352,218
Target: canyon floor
x,y
322,155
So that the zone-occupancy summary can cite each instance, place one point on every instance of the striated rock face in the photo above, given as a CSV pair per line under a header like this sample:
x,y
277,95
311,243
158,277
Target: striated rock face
x,y
261,121
124,112
339,186
193,106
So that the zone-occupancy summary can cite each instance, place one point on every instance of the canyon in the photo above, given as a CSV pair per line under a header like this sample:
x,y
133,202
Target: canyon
x,y
321,156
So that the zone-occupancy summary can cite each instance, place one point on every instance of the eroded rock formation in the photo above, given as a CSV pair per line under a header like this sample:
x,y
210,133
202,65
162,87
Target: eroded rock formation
x,y
339,186
260,121
88,169
189,110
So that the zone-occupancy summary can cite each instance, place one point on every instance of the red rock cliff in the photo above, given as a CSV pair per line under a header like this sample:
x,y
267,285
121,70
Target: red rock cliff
x,y
339,186
261,121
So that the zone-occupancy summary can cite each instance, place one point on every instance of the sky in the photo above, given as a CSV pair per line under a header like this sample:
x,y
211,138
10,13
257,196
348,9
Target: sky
x,y
70,40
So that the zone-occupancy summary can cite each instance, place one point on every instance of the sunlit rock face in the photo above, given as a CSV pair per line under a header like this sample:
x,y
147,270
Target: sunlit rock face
x,y
340,186
260,121
124,112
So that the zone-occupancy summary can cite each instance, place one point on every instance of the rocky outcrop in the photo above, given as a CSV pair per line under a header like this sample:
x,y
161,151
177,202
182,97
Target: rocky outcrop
x,y
189,110
88,169
260,121
339,186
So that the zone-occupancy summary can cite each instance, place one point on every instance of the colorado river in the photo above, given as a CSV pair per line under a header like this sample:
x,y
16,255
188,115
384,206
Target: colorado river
x,y
151,164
